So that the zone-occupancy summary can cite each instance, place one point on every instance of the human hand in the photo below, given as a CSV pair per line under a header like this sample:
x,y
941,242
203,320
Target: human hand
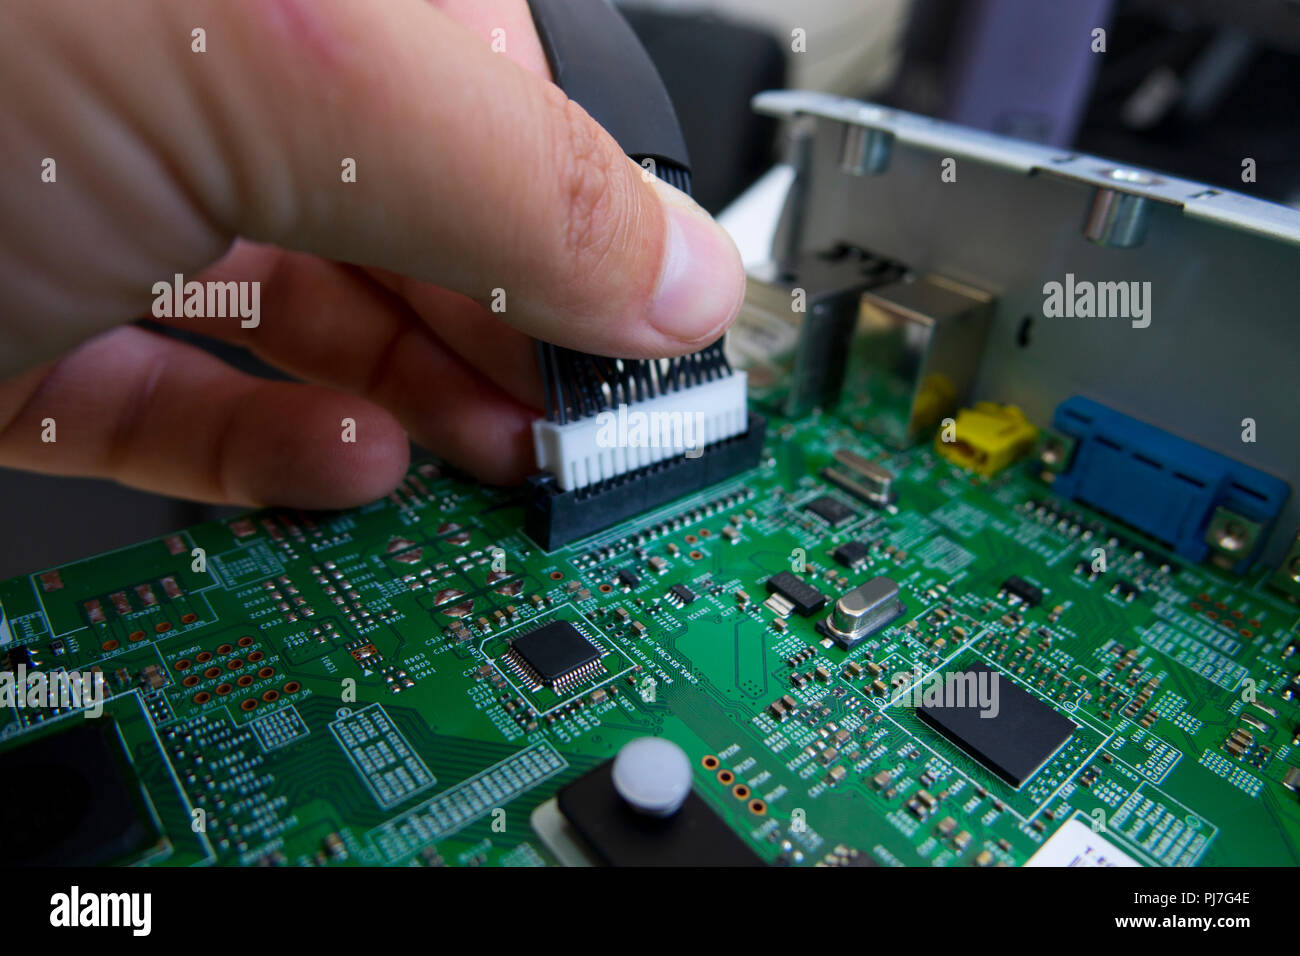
x,y
476,183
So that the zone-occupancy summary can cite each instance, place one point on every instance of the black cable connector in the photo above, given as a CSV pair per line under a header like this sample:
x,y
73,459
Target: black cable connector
x,y
600,64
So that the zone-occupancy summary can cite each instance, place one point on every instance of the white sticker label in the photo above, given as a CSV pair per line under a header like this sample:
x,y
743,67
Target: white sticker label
x,y
1076,845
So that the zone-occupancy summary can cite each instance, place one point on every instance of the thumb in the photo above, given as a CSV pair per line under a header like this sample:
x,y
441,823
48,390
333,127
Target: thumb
x,y
479,176
378,134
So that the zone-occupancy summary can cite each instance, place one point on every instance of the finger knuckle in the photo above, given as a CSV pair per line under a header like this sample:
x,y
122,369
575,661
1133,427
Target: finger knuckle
x,y
595,204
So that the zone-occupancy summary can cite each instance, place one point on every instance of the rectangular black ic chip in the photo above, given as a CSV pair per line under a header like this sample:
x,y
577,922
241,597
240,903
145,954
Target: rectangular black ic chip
x,y
1030,594
1018,735
852,554
831,510
553,652
805,598
73,799
682,594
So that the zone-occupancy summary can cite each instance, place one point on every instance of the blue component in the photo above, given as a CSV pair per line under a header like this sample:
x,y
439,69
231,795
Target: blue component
x,y
1162,485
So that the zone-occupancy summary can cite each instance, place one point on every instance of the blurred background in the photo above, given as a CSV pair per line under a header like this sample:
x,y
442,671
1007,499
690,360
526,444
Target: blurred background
x,y
1189,87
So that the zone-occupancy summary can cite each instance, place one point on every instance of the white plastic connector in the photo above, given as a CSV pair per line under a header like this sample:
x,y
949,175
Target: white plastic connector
x,y
633,436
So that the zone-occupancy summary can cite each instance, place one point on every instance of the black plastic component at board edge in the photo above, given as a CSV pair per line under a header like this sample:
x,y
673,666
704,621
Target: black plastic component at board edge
x,y
601,65
619,836
553,518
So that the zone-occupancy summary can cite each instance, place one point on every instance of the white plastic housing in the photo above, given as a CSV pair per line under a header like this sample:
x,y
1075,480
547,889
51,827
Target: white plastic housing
x,y
633,436
653,775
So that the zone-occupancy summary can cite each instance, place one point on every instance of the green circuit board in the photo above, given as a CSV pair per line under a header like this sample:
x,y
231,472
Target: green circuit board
x,y
339,688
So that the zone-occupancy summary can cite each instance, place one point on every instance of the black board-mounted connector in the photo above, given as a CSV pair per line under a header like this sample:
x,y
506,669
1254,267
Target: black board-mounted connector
x,y
554,518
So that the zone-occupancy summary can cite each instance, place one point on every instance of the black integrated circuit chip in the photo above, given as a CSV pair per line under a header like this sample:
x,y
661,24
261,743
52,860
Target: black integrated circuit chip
x,y
682,594
996,722
1030,594
628,578
805,598
554,655
852,554
831,510
73,800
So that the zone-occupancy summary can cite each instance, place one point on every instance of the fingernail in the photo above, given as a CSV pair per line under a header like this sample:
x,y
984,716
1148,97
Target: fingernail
x,y
701,281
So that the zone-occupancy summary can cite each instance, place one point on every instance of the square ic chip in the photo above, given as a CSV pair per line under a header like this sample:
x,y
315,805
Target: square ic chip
x,y
852,554
831,510
1002,726
556,655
